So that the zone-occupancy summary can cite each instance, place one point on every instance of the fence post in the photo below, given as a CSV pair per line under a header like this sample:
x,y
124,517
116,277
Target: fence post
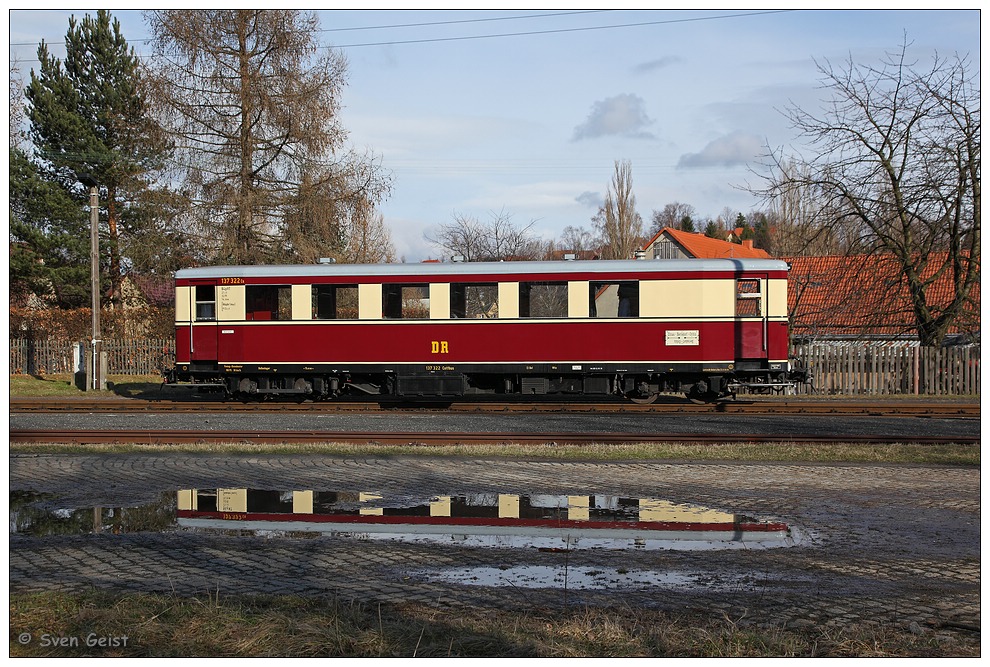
x,y
79,365
31,365
915,368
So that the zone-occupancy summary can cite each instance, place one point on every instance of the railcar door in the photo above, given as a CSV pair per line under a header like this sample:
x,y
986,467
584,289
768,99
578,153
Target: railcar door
x,y
751,316
203,328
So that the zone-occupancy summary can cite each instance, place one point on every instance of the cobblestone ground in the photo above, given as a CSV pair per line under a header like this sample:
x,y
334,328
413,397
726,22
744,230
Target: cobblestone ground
x,y
892,544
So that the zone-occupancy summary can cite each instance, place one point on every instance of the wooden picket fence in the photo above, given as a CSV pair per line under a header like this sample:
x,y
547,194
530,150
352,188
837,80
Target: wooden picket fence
x,y
837,369
891,369
124,357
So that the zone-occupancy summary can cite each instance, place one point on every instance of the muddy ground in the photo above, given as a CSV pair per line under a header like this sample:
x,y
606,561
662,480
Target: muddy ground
x,y
889,544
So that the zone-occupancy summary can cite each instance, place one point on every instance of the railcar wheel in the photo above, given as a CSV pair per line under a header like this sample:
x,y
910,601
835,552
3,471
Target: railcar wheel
x,y
640,399
700,394
247,390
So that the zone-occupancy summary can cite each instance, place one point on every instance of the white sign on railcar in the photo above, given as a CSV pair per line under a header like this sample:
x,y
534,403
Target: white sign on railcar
x,y
686,337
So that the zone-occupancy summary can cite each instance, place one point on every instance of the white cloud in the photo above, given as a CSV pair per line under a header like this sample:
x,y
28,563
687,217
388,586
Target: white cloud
x,y
408,239
623,115
738,148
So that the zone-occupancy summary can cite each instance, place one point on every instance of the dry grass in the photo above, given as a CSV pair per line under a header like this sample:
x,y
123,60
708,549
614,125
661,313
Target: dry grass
x,y
171,626
830,453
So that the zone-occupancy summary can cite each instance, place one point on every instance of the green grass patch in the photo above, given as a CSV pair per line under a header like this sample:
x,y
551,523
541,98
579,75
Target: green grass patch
x,y
33,385
63,624
130,386
966,455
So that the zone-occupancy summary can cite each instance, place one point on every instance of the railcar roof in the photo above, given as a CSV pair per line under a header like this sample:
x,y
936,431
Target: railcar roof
x,y
484,268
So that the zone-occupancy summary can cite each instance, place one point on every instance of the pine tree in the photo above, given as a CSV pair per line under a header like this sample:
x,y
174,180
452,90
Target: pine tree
x,y
49,234
714,231
88,116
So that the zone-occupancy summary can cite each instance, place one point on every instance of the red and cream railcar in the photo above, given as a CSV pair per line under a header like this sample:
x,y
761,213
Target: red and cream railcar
x,y
634,328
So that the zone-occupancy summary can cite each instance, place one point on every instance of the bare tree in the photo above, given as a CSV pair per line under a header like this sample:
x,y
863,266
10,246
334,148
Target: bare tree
x,y
728,219
795,221
16,92
896,157
617,222
369,240
676,215
253,106
577,240
345,229
497,240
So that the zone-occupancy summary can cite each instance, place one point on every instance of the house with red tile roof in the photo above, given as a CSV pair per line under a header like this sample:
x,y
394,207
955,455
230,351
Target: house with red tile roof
x,y
158,291
865,297
670,243
835,298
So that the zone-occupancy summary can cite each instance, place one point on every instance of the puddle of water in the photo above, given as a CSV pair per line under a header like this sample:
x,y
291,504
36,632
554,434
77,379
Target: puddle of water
x,y
506,520
583,578
509,537
38,515
484,520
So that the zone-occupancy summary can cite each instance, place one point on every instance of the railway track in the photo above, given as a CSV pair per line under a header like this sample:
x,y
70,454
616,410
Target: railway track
x,y
168,437
760,407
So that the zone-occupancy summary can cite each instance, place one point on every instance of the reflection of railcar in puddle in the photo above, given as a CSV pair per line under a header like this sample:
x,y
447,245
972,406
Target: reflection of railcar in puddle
x,y
568,517
629,328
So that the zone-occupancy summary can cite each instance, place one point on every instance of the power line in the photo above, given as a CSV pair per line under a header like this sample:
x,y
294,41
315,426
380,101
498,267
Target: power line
x,y
461,21
563,30
550,31
424,24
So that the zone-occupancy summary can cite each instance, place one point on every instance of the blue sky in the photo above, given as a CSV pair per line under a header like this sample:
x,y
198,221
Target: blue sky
x,y
473,120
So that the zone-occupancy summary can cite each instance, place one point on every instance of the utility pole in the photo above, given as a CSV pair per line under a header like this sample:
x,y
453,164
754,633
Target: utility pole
x,y
98,381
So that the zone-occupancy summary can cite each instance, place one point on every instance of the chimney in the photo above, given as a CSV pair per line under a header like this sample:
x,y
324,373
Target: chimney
x,y
748,243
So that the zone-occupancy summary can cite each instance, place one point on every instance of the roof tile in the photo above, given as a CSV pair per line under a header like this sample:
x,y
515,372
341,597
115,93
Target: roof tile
x,y
866,295
705,247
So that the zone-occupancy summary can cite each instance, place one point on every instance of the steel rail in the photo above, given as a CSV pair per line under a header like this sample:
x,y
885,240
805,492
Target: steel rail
x,y
867,408
165,437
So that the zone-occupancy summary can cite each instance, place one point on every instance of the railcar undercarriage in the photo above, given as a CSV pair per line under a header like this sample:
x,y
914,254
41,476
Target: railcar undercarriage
x,y
642,387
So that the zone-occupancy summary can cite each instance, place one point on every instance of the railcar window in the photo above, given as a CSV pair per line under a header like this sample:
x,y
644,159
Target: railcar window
x,y
335,302
474,300
406,302
748,298
618,299
206,302
269,502
542,300
269,302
